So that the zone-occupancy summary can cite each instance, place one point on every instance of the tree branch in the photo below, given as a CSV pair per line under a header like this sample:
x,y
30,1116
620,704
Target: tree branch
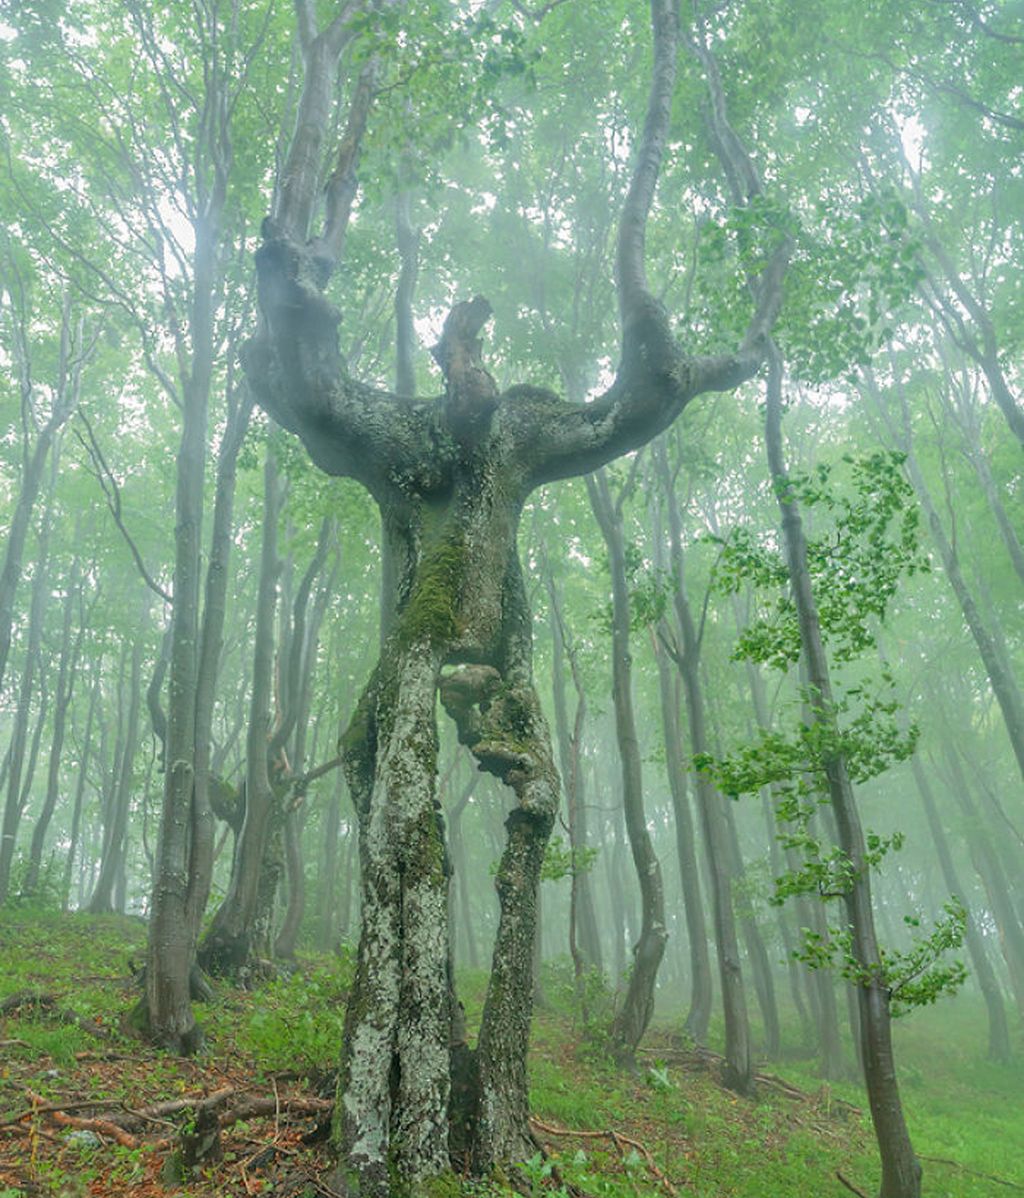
x,y
112,493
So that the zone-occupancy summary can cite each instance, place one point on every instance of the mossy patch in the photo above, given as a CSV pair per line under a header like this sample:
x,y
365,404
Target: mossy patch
x,y
431,613
445,1185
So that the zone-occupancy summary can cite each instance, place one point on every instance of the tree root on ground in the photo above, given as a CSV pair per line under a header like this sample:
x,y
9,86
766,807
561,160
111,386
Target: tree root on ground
x,y
204,1108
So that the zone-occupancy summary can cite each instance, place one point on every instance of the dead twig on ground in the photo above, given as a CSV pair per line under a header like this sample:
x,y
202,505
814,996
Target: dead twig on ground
x,y
618,1139
850,1186
1001,1181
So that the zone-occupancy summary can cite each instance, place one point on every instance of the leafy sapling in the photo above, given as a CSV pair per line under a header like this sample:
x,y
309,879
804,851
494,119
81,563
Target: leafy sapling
x,y
867,544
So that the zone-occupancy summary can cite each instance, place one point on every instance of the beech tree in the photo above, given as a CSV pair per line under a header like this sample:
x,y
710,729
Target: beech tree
x,y
450,477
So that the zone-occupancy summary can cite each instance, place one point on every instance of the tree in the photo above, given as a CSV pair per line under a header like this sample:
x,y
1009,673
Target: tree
x,y
450,478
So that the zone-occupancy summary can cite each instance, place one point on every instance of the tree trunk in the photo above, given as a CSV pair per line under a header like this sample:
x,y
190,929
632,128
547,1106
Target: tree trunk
x,y
757,954
901,1171
167,1014
739,1065
990,871
699,1014
15,803
66,671
632,1019
82,767
102,900
584,943
327,886
998,1029
227,944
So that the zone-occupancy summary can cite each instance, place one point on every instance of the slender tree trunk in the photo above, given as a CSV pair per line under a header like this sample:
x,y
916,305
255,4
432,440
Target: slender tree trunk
x,y
998,1029
584,944
699,1014
227,944
82,767
211,642
69,655
757,954
623,923
102,900
327,888
739,1066
901,1171
15,803
632,1019
989,868
72,358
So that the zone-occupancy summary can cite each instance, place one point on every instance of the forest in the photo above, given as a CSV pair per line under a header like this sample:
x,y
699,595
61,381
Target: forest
x,y
512,598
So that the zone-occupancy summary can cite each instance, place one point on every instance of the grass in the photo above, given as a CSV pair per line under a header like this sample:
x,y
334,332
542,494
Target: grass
x,y
670,1118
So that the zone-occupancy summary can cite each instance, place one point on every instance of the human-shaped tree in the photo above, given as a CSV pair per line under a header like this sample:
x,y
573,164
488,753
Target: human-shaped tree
x,y
450,477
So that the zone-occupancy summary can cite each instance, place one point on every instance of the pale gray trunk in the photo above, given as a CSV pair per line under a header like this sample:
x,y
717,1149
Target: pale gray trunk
x,y
990,870
72,357
70,651
739,1065
699,1014
584,942
82,766
998,1028
102,900
16,796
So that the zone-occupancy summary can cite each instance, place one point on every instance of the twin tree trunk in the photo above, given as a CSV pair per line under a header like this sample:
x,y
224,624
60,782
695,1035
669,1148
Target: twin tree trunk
x,y
406,1062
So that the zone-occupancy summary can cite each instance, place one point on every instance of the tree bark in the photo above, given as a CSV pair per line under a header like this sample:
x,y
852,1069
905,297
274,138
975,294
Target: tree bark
x,y
739,1066
901,1171
634,1015
699,1014
226,946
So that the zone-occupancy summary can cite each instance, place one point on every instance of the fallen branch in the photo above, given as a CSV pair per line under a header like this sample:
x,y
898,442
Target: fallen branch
x,y
101,1127
42,1107
618,1139
21,1130
1000,1181
850,1186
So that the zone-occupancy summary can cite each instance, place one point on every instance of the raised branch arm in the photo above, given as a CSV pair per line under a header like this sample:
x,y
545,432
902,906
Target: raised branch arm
x,y
296,371
655,378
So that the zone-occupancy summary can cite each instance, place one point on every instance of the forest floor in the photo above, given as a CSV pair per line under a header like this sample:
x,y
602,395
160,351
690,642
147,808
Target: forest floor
x,y
86,1111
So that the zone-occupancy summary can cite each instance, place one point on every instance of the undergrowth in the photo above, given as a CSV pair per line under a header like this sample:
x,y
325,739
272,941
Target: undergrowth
x,y
607,1132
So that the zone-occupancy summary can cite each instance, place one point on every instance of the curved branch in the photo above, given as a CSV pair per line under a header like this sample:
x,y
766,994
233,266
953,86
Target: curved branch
x,y
630,275
655,378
